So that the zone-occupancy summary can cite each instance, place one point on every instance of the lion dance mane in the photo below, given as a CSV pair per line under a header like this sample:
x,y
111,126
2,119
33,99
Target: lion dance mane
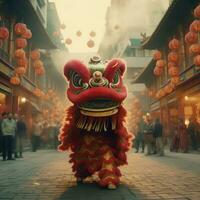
x,y
94,128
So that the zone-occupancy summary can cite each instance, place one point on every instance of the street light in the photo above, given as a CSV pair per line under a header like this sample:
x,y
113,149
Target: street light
x,y
23,100
186,98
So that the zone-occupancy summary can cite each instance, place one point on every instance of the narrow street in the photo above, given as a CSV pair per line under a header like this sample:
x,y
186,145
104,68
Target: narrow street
x,y
46,174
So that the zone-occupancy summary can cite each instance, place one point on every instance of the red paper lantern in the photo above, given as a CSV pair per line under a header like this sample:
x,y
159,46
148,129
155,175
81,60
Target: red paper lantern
x,y
37,64
171,64
197,11
191,37
15,80
4,33
197,60
35,54
21,43
195,26
160,63
173,71
20,28
90,43
194,49
40,71
158,71
22,62
20,70
20,53
92,34
157,55
78,33
27,35
173,57
68,41
37,92
168,89
174,44
175,80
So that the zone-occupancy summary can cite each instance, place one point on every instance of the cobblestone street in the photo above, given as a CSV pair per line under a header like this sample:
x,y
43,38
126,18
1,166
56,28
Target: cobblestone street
x,y
47,175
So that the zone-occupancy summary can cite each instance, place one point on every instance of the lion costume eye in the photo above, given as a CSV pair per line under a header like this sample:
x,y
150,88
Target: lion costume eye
x,y
76,80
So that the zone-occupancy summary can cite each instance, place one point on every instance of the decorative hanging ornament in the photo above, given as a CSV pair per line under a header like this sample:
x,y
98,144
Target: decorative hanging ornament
x,y
191,37
37,64
174,44
22,62
194,49
40,71
68,41
35,54
15,80
173,57
20,71
197,60
20,43
20,53
195,26
160,63
157,55
90,43
4,33
92,34
27,35
78,33
173,71
20,28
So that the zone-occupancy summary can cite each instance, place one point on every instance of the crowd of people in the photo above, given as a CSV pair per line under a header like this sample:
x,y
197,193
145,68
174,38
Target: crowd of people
x,y
14,133
151,135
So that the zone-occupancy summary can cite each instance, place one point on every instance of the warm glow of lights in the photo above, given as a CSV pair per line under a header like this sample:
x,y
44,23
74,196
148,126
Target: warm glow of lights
x,y
186,98
23,100
186,122
147,114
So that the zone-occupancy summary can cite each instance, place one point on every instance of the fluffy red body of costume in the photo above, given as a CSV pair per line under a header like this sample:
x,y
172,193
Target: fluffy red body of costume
x,y
98,143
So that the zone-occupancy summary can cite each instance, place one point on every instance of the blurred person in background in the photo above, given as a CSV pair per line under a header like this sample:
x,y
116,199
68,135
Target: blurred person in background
x,y
193,133
15,117
20,136
3,116
8,127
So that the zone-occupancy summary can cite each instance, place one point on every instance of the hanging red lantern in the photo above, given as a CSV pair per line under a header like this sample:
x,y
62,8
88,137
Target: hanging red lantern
x,y
90,43
171,64
21,43
175,80
197,60
15,80
37,92
4,33
37,64
174,44
173,57
78,33
197,11
20,71
35,54
173,71
22,62
20,53
20,28
160,63
157,55
158,71
191,37
68,41
40,71
195,26
194,49
92,34
168,89
27,35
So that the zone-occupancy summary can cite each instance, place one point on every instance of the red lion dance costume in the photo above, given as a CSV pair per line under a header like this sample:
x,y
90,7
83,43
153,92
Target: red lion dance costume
x,y
94,127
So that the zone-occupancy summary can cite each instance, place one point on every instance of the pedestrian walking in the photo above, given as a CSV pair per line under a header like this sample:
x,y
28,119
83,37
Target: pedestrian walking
x,y
192,132
3,116
183,135
20,136
36,134
15,117
139,140
8,127
148,133
158,134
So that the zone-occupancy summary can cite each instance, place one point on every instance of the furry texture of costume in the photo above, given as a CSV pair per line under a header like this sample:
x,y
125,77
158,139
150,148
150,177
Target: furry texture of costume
x,y
94,126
